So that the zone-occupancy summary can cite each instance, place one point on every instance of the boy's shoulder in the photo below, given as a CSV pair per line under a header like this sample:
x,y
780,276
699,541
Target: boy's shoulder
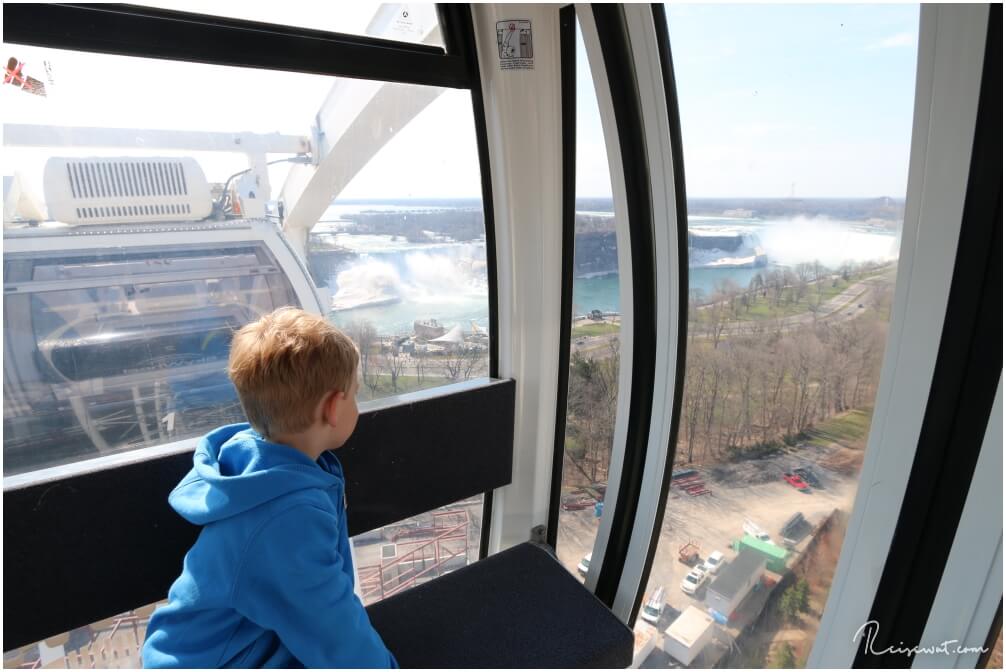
x,y
329,502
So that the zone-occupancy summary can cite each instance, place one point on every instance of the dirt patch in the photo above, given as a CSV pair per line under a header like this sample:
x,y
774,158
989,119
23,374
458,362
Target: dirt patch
x,y
845,461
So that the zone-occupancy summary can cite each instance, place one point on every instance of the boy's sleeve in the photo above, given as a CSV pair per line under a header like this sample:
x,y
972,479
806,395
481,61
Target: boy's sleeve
x,y
294,582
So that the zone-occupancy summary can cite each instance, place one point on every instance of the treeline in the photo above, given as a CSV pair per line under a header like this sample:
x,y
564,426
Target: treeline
x,y
756,390
590,416
462,225
854,209
746,392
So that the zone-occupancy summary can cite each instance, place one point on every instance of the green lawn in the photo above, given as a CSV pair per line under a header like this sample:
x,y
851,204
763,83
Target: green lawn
x,y
595,329
405,384
848,429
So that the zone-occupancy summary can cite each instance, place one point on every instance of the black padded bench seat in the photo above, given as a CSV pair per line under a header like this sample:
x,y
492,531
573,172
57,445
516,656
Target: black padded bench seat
x,y
516,609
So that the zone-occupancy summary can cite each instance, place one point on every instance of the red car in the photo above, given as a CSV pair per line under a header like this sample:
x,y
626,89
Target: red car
x,y
796,481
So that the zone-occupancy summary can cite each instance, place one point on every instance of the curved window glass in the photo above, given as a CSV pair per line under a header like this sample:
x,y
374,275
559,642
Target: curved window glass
x,y
796,124
592,396
108,350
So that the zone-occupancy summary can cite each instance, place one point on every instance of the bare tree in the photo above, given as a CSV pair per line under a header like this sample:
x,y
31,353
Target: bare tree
x,y
392,364
364,334
463,362
804,273
419,360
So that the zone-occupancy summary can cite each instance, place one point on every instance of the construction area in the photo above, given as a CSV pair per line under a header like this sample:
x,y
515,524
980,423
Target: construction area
x,y
748,508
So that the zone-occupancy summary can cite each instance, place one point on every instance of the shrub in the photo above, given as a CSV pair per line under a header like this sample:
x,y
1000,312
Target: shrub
x,y
756,451
784,657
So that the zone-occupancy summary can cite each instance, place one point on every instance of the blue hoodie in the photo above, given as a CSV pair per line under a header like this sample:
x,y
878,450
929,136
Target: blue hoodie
x,y
269,582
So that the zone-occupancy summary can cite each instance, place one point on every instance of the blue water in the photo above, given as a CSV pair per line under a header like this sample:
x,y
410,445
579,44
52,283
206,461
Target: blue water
x,y
601,293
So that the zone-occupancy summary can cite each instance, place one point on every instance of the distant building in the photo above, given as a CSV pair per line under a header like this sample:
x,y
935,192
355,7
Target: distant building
x,y
428,329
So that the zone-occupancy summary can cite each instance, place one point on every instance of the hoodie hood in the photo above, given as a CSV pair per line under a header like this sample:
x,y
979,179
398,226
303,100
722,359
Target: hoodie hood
x,y
236,470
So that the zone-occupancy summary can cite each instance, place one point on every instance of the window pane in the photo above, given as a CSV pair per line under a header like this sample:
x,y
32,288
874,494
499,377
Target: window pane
x,y
404,22
796,124
394,558
142,225
112,643
403,253
388,561
105,351
594,348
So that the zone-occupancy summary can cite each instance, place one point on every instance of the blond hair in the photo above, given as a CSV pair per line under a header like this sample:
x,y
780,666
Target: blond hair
x,y
284,363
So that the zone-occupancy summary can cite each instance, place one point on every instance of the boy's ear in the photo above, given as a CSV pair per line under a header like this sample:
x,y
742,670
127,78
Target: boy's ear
x,y
330,406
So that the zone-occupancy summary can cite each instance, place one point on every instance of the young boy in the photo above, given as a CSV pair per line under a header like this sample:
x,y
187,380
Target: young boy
x,y
269,582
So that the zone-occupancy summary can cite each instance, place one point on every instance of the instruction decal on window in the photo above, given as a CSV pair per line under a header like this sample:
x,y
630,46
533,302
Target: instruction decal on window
x,y
513,38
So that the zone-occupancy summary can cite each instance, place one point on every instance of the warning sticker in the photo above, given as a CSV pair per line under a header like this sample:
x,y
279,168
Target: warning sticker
x,y
516,49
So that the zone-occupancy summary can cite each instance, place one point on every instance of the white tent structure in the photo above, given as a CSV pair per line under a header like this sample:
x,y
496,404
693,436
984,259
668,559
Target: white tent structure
x,y
453,338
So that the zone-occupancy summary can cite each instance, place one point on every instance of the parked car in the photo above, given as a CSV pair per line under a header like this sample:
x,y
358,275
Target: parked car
x,y
694,580
577,501
808,475
796,481
713,563
654,606
584,565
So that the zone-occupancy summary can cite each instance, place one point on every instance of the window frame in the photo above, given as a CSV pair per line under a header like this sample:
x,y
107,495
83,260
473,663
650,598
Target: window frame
x,y
146,32
567,65
606,37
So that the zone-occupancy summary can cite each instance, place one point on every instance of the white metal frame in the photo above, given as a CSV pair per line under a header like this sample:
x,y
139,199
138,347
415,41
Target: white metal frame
x,y
592,45
523,125
972,583
951,50
130,236
656,126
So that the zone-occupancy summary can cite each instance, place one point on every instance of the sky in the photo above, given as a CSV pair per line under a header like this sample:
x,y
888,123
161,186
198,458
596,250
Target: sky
x,y
776,101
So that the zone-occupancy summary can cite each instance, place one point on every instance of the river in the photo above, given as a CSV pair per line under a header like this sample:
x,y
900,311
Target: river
x,y
391,282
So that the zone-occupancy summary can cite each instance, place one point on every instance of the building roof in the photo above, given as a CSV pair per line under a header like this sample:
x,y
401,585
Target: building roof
x,y
765,547
735,576
689,626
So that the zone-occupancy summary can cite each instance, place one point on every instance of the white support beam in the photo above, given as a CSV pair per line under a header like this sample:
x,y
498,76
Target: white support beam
x,y
523,124
356,120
